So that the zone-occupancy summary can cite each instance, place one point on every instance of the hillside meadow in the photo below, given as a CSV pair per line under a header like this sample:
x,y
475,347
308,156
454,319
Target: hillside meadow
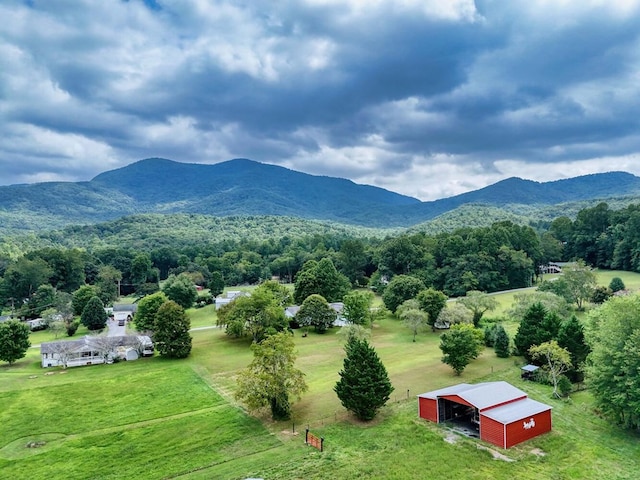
x,y
158,418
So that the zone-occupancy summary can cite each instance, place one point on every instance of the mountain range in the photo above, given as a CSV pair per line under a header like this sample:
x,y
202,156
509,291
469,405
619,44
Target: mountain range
x,y
246,187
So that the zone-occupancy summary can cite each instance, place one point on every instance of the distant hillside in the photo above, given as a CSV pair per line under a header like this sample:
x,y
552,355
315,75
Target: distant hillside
x,y
245,187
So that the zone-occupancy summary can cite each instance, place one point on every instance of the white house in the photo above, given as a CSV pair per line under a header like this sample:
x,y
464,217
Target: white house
x,y
90,350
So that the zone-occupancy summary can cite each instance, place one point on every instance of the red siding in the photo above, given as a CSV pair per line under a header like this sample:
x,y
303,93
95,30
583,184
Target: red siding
x,y
517,433
457,399
492,431
428,409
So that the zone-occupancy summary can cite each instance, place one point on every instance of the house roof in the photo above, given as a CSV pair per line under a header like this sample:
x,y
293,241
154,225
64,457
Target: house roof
x,y
530,368
86,342
512,412
292,310
480,395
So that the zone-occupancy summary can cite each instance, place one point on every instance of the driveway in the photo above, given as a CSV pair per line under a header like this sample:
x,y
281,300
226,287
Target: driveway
x,y
115,330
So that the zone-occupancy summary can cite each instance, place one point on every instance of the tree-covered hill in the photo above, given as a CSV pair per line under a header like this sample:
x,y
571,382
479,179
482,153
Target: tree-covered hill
x,y
244,187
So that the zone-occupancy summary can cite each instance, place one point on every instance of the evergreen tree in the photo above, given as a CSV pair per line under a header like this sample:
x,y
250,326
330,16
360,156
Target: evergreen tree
x,y
616,284
14,340
171,331
571,337
501,342
93,315
364,385
537,326
81,297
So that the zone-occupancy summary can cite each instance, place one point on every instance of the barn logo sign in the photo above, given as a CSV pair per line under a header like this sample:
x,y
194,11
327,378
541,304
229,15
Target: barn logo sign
x,y
530,424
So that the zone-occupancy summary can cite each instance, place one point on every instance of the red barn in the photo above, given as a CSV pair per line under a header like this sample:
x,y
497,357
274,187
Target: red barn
x,y
501,413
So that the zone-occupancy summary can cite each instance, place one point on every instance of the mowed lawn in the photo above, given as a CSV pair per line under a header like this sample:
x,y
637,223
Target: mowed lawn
x,y
156,418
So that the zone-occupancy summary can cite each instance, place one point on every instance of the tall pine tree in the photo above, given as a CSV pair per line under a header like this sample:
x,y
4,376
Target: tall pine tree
x,y
364,385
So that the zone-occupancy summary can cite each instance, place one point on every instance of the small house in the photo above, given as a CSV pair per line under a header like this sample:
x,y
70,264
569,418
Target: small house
x,y
338,307
91,350
500,413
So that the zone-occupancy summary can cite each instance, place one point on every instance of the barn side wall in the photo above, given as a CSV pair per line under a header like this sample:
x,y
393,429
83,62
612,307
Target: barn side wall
x,y
428,409
528,428
491,431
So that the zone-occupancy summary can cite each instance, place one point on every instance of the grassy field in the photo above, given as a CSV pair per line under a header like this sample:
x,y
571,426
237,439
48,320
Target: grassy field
x,y
156,418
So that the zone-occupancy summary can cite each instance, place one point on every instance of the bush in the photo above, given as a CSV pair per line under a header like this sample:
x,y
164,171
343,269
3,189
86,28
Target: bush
x,y
72,328
616,284
564,386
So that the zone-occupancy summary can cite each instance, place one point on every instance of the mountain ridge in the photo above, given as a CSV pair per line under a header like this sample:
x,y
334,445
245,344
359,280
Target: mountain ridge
x,y
246,187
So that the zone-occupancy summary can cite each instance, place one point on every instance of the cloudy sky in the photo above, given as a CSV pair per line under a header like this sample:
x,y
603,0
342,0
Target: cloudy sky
x,y
429,98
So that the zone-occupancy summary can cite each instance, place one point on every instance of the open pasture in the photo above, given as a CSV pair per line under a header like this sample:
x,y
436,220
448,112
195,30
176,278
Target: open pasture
x,y
155,419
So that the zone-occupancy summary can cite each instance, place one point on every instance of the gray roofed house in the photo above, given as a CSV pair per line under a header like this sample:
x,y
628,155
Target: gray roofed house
x,y
90,350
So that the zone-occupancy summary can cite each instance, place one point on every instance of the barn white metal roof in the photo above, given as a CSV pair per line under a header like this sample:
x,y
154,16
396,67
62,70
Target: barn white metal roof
x,y
481,395
512,412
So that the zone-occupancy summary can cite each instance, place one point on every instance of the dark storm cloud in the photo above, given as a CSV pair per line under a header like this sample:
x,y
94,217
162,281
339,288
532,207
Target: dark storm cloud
x,y
427,98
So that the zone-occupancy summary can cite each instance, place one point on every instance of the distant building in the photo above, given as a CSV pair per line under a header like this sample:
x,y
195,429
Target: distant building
x,y
230,296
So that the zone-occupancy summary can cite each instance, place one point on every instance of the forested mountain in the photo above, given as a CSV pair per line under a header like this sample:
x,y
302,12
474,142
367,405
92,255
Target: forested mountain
x,y
244,187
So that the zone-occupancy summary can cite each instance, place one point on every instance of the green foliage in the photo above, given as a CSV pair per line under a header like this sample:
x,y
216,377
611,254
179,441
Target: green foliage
x,y
107,282
364,386
216,284
580,281
280,293
414,318
257,316
432,302
461,344
316,312
81,297
146,313
271,379
555,361
478,303
24,276
600,294
72,327
320,278
454,314
501,342
14,341
550,301
613,370
537,326
93,315
181,290
400,289
616,284
357,307
171,332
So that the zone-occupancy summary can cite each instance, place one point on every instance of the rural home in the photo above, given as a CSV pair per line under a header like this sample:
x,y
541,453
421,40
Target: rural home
x,y
500,413
91,350
229,296
341,321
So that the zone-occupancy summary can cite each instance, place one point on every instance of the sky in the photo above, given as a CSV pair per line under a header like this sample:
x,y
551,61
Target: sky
x,y
428,98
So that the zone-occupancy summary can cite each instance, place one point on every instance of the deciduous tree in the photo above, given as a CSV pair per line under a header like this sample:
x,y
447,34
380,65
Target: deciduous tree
x,y
272,379
461,344
478,303
414,318
181,290
171,331
399,289
357,307
81,297
556,361
364,386
613,370
321,278
316,312
146,313
432,301
14,340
